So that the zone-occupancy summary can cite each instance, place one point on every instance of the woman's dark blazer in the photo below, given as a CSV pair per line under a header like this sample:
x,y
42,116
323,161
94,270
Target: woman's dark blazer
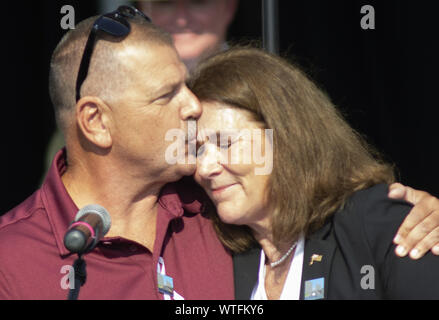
x,y
354,254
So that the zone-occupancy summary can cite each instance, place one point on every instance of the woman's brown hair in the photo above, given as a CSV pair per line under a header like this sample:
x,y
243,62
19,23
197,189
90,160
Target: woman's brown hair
x,y
318,159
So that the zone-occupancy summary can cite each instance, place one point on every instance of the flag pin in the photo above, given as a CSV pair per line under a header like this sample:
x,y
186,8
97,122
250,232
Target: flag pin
x,y
315,258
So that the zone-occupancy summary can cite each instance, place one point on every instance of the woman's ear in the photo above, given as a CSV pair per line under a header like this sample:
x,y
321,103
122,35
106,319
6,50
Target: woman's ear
x,y
93,119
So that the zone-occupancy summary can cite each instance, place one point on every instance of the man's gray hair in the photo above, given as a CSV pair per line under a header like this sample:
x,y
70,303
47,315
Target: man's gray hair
x,y
106,70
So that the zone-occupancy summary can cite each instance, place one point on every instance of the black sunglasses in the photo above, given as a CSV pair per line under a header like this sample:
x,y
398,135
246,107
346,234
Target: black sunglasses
x,y
115,24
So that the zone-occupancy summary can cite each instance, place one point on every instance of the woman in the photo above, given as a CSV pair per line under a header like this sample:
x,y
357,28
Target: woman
x,y
316,208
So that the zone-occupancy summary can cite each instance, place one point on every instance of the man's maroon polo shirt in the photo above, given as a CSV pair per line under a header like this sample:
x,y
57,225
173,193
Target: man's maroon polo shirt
x,y
34,262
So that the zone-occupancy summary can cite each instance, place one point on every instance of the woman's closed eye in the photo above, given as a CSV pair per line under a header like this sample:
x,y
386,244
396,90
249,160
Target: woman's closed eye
x,y
201,146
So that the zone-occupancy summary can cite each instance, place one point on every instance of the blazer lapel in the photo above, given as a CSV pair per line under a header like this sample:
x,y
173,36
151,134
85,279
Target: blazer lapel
x,y
317,261
245,270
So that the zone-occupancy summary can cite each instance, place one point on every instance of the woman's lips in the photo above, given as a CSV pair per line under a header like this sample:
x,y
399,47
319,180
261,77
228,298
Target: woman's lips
x,y
221,191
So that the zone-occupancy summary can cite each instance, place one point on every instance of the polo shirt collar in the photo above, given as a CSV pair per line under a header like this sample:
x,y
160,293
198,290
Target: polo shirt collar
x,y
180,197
175,199
60,208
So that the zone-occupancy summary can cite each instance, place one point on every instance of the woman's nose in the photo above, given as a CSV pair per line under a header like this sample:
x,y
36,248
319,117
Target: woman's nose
x,y
208,161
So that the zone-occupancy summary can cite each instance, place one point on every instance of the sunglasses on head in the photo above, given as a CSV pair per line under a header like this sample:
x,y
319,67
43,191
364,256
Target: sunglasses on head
x,y
115,24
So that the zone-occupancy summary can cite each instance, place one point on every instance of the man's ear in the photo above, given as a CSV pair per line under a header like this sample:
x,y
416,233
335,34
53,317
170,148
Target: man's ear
x,y
93,119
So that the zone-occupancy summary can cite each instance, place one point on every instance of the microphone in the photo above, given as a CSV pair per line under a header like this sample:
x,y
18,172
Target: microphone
x,y
91,223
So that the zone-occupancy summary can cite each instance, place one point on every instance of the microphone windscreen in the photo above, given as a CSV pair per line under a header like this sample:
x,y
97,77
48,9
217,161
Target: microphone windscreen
x,y
99,210
75,241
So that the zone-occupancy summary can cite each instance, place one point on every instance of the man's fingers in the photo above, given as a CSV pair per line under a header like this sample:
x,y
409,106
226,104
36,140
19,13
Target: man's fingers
x,y
419,231
418,213
423,237
424,245
397,191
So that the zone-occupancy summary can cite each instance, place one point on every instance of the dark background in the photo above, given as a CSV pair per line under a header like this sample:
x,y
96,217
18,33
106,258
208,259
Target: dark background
x,y
383,79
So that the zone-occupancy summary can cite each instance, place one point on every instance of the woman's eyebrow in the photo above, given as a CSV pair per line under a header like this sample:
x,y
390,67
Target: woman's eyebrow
x,y
223,133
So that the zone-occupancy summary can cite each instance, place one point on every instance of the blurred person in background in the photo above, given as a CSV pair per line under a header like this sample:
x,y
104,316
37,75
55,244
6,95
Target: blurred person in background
x,y
198,27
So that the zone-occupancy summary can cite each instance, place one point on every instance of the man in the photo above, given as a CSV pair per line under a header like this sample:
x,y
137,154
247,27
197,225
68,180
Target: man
x,y
198,27
133,94
115,121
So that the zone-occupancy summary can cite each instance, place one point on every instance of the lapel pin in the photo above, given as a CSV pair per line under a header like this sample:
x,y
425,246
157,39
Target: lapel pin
x,y
315,258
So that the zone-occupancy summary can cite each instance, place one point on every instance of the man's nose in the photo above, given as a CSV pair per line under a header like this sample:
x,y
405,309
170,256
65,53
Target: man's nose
x,y
191,108
182,14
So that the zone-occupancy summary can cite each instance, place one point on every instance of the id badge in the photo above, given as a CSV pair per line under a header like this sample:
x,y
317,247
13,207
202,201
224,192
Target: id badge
x,y
165,284
314,289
